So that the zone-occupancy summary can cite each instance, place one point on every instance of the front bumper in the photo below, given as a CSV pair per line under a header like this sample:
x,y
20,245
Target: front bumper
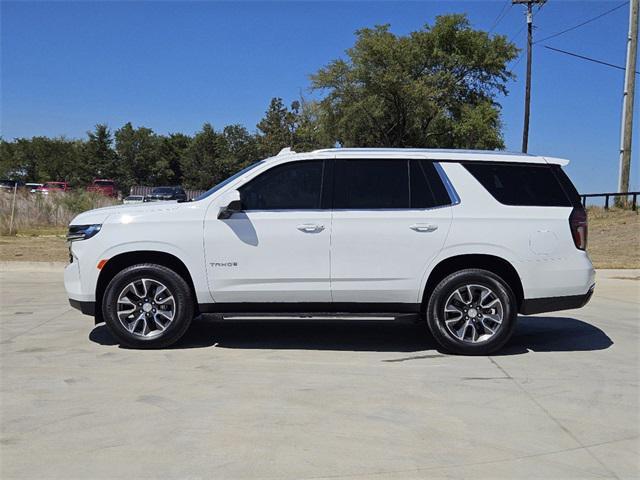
x,y
87,308
531,306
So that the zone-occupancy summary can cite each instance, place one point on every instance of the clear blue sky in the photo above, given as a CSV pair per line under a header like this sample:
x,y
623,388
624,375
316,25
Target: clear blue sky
x,y
172,66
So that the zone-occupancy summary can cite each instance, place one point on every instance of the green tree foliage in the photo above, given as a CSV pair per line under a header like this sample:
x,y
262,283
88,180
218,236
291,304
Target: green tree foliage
x,y
168,170
432,88
276,128
98,157
137,151
40,158
297,127
201,161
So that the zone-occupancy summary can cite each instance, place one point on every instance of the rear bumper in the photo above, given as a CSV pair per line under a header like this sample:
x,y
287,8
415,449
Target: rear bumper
x,y
87,308
531,306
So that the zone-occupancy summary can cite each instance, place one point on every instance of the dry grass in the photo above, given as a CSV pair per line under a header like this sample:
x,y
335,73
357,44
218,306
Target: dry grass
x,y
33,249
36,213
614,238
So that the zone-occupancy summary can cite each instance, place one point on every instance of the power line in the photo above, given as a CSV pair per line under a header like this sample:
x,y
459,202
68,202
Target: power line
x,y
583,23
586,58
501,15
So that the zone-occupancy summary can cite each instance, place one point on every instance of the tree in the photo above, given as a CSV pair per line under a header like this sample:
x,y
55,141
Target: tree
x,y
276,128
435,87
57,159
297,127
41,159
137,151
167,168
310,133
98,157
201,161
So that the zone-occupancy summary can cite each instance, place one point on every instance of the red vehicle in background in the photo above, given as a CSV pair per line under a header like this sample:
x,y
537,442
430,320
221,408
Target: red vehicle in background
x,y
53,187
104,186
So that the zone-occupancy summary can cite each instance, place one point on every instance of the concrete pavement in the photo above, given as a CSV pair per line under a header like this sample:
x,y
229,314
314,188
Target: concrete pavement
x,y
307,399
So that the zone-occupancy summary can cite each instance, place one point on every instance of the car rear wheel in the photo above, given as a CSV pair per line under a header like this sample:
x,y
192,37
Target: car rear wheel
x,y
148,306
472,312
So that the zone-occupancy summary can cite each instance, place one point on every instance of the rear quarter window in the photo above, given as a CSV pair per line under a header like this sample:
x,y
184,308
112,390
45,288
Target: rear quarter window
x,y
522,184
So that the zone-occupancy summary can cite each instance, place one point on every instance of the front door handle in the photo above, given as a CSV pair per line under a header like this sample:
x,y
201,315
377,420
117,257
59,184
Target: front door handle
x,y
423,227
310,227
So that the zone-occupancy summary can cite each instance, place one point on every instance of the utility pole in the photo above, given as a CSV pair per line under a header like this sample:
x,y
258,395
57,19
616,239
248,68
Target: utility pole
x,y
527,94
627,103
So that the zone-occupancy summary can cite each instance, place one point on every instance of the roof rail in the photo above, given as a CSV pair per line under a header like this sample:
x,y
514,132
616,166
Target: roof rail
x,y
285,151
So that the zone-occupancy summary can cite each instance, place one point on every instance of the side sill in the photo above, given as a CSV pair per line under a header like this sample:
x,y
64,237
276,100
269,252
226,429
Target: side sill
x,y
87,308
552,304
309,307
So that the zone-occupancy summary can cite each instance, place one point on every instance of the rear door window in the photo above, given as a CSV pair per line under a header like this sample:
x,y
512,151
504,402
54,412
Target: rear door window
x,y
521,184
427,189
388,184
371,184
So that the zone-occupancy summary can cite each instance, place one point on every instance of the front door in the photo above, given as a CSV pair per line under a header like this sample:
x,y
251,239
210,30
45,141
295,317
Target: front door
x,y
390,219
277,249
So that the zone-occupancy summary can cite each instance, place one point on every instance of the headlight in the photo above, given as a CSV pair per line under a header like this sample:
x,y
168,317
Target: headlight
x,y
82,232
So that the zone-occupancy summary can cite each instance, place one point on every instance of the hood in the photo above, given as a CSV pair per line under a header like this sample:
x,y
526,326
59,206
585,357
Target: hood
x,y
100,215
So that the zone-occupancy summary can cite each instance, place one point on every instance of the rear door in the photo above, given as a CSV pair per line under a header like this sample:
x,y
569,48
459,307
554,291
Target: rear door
x,y
390,219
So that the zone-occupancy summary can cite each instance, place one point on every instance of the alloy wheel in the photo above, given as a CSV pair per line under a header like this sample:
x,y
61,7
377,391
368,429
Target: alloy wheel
x,y
473,313
146,307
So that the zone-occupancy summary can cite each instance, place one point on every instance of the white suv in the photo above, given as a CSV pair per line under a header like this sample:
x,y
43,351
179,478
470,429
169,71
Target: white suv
x,y
465,240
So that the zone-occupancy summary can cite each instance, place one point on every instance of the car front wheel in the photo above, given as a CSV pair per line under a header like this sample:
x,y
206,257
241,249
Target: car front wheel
x,y
148,306
472,312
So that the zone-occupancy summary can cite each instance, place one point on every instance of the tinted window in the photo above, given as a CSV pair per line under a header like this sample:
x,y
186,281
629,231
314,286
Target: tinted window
x,y
218,186
427,189
513,184
367,184
292,186
568,187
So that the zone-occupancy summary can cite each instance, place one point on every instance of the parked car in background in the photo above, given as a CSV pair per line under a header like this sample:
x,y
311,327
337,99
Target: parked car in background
x,y
9,185
32,187
134,199
104,186
53,187
167,193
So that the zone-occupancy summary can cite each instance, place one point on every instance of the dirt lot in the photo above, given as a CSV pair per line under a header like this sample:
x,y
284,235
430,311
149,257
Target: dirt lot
x,y
34,249
614,242
614,238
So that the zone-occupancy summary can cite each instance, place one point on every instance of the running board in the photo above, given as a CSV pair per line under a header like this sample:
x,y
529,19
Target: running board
x,y
321,316
297,309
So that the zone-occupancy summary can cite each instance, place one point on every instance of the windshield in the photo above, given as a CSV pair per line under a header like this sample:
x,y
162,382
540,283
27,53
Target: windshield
x,y
52,185
103,183
217,187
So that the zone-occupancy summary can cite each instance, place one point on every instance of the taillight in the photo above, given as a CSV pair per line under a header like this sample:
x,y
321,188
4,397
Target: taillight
x,y
579,227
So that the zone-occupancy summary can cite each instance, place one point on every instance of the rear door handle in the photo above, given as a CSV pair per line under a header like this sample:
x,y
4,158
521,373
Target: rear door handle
x,y
310,227
423,227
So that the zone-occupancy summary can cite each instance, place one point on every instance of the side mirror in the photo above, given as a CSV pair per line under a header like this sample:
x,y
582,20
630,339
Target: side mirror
x,y
232,204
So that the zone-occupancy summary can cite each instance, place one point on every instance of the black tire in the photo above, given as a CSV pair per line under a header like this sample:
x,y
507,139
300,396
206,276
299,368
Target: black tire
x,y
178,288
435,312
